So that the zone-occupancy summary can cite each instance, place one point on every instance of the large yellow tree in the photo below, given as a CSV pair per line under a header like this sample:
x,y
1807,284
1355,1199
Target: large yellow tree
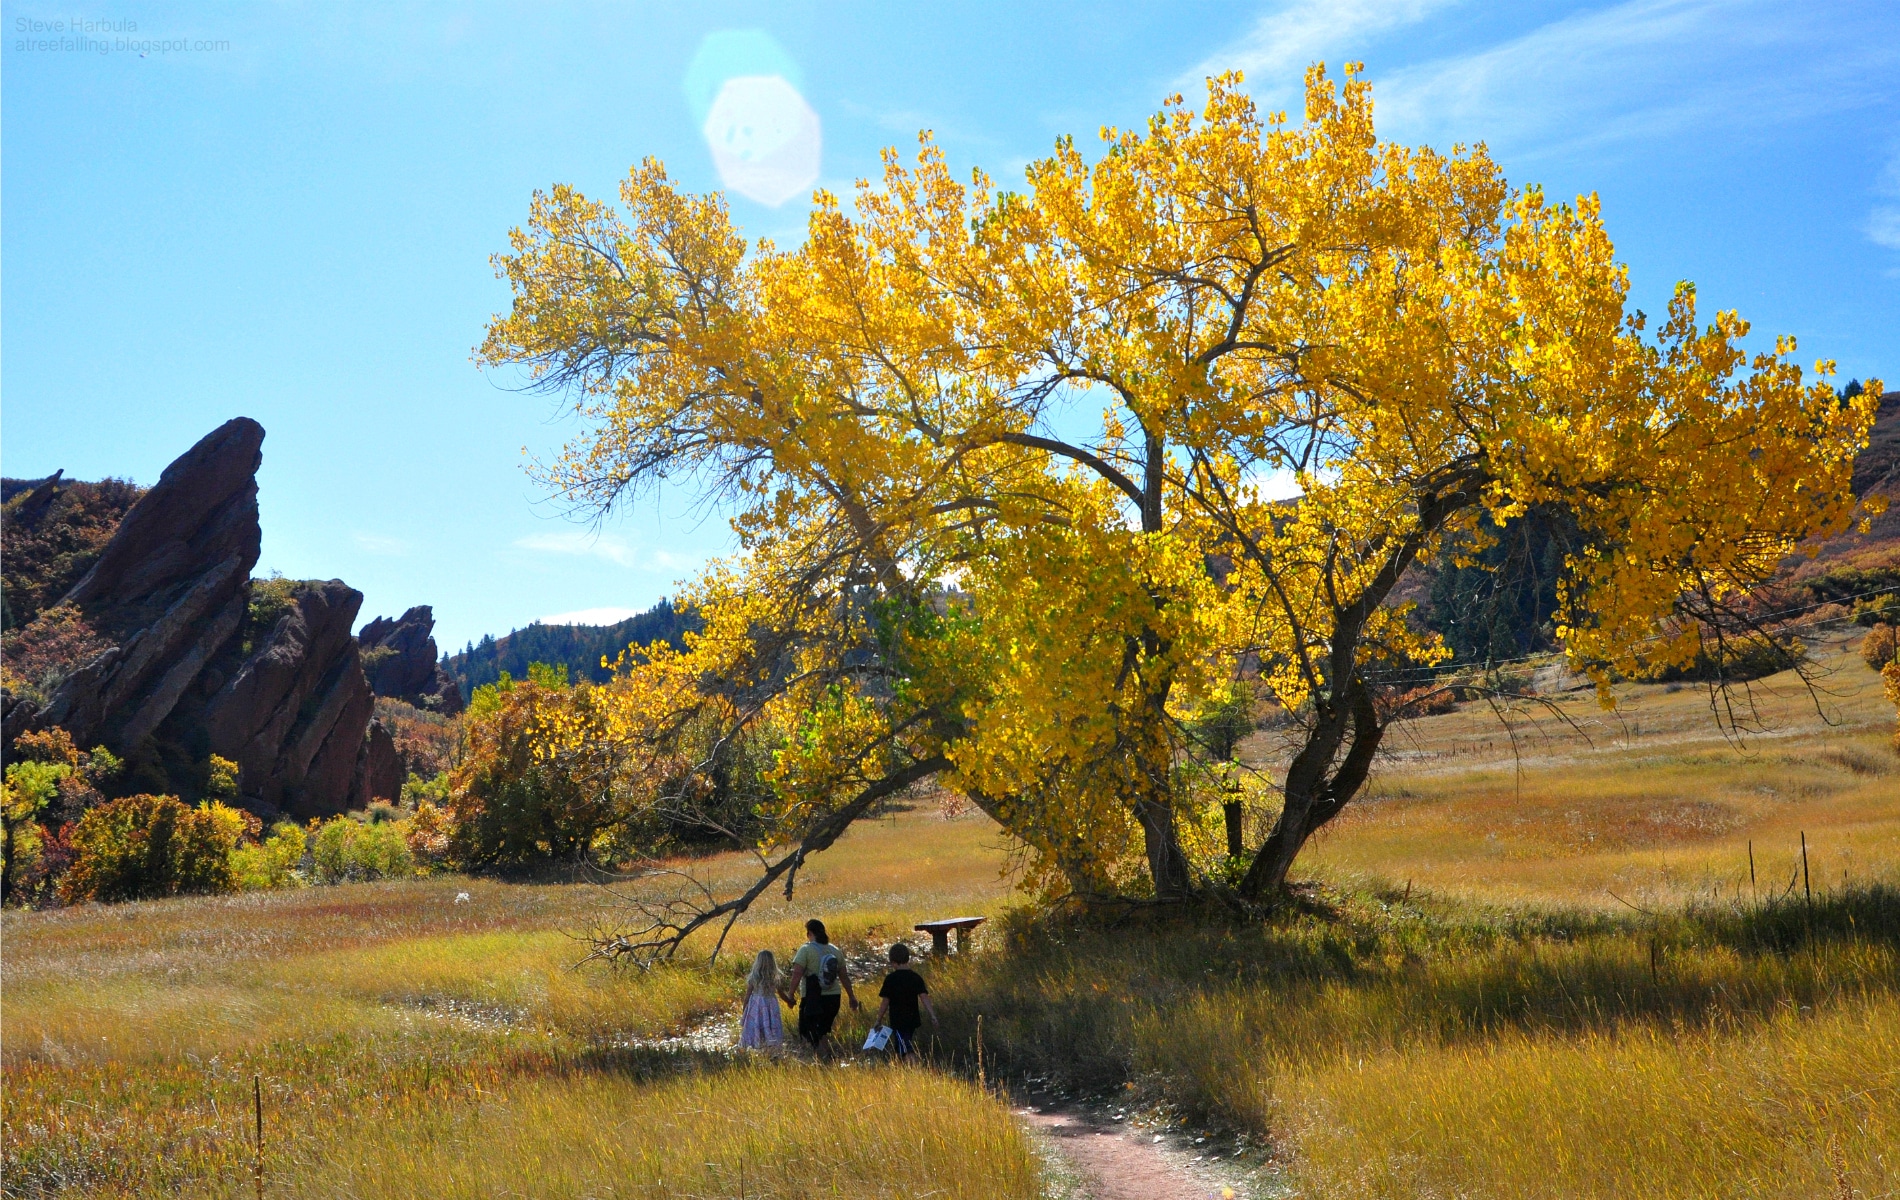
x,y
999,460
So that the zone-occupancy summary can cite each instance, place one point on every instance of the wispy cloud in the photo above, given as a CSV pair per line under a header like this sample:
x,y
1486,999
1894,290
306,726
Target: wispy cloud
x,y
605,545
1621,72
1640,69
666,560
1883,222
614,549
376,543
1883,227
592,616
1275,53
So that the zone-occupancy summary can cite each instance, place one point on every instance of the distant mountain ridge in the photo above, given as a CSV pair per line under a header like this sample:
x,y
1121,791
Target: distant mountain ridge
x,y
578,647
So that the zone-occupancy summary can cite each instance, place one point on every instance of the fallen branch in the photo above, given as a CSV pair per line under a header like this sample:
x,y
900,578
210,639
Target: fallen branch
x,y
669,922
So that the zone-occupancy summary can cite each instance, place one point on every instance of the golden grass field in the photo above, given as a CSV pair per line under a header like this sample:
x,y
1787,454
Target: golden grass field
x,y
410,1045
1523,972
1570,805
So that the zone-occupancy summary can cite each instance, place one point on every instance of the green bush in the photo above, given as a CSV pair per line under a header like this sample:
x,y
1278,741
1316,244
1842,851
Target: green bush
x,y
417,789
271,863
142,847
347,850
221,779
1878,610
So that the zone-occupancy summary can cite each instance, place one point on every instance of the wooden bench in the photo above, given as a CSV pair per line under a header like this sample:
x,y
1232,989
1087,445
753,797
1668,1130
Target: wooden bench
x,y
939,932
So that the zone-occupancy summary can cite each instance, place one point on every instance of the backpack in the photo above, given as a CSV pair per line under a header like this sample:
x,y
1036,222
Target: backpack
x,y
825,976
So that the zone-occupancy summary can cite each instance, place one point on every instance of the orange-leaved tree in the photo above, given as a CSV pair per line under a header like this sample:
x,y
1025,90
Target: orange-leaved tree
x,y
1004,465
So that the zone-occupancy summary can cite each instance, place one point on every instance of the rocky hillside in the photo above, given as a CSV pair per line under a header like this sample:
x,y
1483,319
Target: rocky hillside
x,y
55,530
1876,473
167,651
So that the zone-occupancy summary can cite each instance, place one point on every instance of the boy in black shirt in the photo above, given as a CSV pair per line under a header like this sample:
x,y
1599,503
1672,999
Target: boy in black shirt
x,y
902,991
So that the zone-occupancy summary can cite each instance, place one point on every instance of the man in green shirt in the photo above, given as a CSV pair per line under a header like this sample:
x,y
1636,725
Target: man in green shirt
x,y
820,968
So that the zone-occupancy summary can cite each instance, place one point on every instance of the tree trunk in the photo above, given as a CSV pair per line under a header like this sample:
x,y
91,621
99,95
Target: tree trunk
x,y
1312,799
1236,836
1167,865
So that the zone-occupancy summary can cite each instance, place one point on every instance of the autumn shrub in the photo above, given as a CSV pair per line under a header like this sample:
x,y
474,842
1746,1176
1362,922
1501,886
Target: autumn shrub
x,y
49,785
38,657
520,793
345,850
1880,646
427,833
141,847
28,789
1878,610
434,790
427,741
1736,659
271,863
1429,700
270,599
221,779
52,541
1890,675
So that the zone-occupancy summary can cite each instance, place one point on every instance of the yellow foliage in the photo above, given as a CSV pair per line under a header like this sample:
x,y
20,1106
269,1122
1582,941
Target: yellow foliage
x,y
928,574
1890,676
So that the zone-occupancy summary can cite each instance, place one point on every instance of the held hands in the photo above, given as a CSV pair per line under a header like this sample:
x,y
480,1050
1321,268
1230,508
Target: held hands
x,y
855,1006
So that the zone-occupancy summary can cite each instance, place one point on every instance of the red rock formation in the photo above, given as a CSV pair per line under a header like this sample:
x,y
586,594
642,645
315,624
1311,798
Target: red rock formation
x,y
379,768
402,663
294,714
168,591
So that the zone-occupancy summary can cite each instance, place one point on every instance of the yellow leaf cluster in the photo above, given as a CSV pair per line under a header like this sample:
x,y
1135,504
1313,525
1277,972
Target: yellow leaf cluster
x,y
934,563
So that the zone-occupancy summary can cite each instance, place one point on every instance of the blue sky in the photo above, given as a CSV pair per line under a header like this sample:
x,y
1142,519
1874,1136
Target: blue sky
x,y
286,211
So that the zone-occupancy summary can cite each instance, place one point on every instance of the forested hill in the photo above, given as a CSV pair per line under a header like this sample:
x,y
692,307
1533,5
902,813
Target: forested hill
x,y
580,647
1501,606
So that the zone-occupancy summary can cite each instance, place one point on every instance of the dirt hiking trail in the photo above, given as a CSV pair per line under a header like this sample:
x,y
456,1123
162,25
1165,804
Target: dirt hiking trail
x,y
1115,1159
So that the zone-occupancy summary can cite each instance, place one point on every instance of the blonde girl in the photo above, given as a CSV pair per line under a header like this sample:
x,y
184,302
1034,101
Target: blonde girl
x,y
761,1028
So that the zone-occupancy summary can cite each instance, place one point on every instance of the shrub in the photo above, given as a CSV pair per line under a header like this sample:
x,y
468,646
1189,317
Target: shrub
x,y
45,553
221,779
142,847
27,790
520,794
347,850
271,863
417,791
426,740
54,645
1878,610
50,784
1881,646
1739,659
428,834
1890,676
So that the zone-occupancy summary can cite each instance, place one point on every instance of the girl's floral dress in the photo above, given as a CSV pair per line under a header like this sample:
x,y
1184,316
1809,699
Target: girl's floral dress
x,y
761,1028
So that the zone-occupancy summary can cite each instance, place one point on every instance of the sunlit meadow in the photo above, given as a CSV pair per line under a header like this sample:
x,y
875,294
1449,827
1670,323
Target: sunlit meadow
x,y
1537,969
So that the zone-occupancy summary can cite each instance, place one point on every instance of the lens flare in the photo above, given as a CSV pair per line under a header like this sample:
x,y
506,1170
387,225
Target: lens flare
x,y
766,141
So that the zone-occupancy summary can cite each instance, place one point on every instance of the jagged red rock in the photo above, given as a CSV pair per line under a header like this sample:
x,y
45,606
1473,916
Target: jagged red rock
x,y
379,768
293,716
169,591
401,660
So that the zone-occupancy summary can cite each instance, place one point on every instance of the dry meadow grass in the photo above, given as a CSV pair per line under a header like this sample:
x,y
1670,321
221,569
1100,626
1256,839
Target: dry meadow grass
x,y
1531,965
1566,804
412,1045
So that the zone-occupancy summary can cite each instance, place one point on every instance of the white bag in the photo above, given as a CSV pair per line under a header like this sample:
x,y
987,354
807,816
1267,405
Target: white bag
x,y
878,1038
